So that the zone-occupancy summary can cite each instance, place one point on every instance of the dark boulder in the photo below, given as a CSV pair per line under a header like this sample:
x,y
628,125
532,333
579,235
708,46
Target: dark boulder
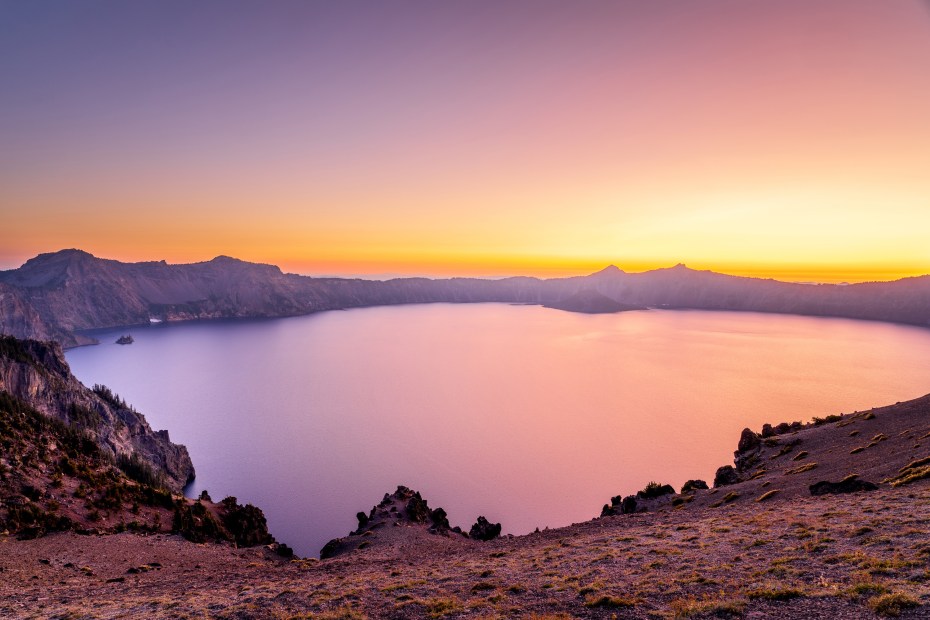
x,y
654,490
439,520
620,505
767,431
849,484
725,476
484,530
332,548
284,551
748,440
693,485
784,427
362,520
613,508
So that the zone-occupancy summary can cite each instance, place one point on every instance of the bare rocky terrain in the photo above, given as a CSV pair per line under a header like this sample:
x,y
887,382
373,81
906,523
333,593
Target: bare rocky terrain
x,y
847,556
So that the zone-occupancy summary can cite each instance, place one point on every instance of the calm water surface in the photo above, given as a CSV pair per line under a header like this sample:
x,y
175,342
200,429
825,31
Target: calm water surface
x,y
530,416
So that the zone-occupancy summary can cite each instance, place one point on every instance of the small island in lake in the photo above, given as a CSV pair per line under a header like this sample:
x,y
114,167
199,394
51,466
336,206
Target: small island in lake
x,y
125,339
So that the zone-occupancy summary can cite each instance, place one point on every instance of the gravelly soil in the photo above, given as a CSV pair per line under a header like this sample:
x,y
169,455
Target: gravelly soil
x,y
824,557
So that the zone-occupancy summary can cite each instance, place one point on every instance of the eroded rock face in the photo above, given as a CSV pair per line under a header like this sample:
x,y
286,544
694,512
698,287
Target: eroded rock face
x,y
37,373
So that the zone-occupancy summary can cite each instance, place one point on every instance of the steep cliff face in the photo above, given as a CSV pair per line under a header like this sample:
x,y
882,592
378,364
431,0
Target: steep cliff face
x,y
37,373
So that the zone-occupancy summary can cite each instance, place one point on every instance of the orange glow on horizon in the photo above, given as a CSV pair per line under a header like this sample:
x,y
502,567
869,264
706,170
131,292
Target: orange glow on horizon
x,y
451,266
782,139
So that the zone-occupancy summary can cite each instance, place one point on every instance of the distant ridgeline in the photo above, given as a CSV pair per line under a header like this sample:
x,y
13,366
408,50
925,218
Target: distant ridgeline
x,y
56,296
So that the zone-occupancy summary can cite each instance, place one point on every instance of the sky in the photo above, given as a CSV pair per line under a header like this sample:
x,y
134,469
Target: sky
x,y
783,138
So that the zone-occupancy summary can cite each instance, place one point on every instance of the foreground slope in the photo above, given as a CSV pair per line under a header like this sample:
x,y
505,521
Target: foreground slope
x,y
736,550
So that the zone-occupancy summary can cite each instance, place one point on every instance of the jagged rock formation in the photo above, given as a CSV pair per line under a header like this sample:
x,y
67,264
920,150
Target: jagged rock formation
x,y
37,373
403,515
484,530
55,296
652,496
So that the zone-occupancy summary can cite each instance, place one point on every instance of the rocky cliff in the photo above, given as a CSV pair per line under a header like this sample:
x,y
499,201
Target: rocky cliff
x,y
36,373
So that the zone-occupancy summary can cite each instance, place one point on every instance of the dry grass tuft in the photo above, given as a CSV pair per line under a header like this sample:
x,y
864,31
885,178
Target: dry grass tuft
x,y
774,594
611,602
912,472
892,604
801,469
692,607
768,495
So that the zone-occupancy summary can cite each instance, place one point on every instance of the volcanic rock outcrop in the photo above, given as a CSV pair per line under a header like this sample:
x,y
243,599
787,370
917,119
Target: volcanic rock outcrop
x,y
403,515
37,373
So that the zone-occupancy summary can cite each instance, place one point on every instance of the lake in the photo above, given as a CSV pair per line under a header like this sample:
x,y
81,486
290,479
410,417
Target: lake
x,y
529,416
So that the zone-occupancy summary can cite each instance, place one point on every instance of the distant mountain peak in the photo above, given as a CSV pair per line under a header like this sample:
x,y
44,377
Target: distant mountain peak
x,y
609,270
70,254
